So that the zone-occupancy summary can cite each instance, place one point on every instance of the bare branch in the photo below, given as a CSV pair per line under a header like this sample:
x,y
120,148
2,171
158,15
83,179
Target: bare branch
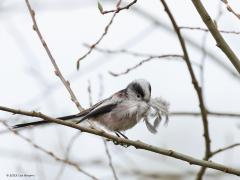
x,y
101,89
119,9
144,61
207,30
225,149
194,82
212,113
121,51
148,16
48,152
110,160
137,144
57,70
68,149
230,9
101,37
221,43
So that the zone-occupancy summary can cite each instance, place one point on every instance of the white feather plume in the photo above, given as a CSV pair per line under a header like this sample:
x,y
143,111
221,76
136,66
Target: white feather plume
x,y
158,108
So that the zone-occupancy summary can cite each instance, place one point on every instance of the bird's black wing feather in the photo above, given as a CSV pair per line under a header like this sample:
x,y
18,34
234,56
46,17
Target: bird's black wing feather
x,y
48,122
84,113
30,124
99,111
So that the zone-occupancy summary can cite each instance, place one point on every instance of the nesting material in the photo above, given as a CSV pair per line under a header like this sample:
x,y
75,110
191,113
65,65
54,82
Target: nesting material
x,y
158,108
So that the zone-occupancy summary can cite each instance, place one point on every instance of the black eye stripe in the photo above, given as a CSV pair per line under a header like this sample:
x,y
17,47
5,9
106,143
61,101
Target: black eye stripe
x,y
138,89
149,87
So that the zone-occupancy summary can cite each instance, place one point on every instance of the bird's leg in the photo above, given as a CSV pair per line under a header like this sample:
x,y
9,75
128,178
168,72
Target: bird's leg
x,y
115,142
122,135
118,132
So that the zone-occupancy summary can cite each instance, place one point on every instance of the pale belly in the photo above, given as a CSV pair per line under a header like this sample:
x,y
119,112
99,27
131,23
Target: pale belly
x,y
123,117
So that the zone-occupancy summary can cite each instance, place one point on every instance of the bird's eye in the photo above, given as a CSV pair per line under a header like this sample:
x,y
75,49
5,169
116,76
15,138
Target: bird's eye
x,y
138,96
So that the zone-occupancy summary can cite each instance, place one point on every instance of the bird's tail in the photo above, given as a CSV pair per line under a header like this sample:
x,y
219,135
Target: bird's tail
x,y
37,123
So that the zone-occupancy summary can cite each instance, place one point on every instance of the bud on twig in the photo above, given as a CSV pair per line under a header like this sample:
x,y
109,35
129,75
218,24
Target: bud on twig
x,y
100,8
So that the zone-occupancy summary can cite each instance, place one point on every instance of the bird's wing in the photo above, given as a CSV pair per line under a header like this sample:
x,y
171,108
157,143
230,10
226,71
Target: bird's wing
x,y
81,114
99,111
84,112
99,108
106,106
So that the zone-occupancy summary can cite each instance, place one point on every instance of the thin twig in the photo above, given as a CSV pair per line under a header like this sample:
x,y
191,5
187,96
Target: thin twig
x,y
202,170
230,9
101,91
101,37
110,160
122,141
194,82
119,9
48,152
207,30
221,43
224,149
57,70
120,51
144,61
158,174
37,159
211,113
148,16
68,149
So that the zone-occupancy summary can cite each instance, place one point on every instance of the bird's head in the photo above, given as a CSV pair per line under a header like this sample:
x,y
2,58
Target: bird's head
x,y
139,89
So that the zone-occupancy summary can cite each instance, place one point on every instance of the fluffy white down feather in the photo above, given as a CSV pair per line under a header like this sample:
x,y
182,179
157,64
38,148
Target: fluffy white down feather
x,y
158,107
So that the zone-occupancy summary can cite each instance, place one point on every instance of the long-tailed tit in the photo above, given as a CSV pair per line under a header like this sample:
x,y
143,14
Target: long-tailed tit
x,y
120,112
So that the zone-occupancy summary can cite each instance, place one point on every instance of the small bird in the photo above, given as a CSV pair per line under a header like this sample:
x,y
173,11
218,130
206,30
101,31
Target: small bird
x,y
119,112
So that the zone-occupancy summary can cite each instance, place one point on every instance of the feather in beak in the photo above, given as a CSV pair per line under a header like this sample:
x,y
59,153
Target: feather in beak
x,y
158,108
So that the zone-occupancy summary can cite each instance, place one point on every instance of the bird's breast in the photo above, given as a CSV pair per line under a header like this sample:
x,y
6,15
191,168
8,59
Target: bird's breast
x,y
124,116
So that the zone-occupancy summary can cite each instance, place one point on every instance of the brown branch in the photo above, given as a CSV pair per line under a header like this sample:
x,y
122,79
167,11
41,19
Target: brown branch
x,y
230,9
137,144
57,70
101,37
121,51
48,152
68,149
194,82
207,30
221,43
101,90
110,160
224,149
203,169
104,141
144,61
158,174
119,9
179,113
211,113
148,16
